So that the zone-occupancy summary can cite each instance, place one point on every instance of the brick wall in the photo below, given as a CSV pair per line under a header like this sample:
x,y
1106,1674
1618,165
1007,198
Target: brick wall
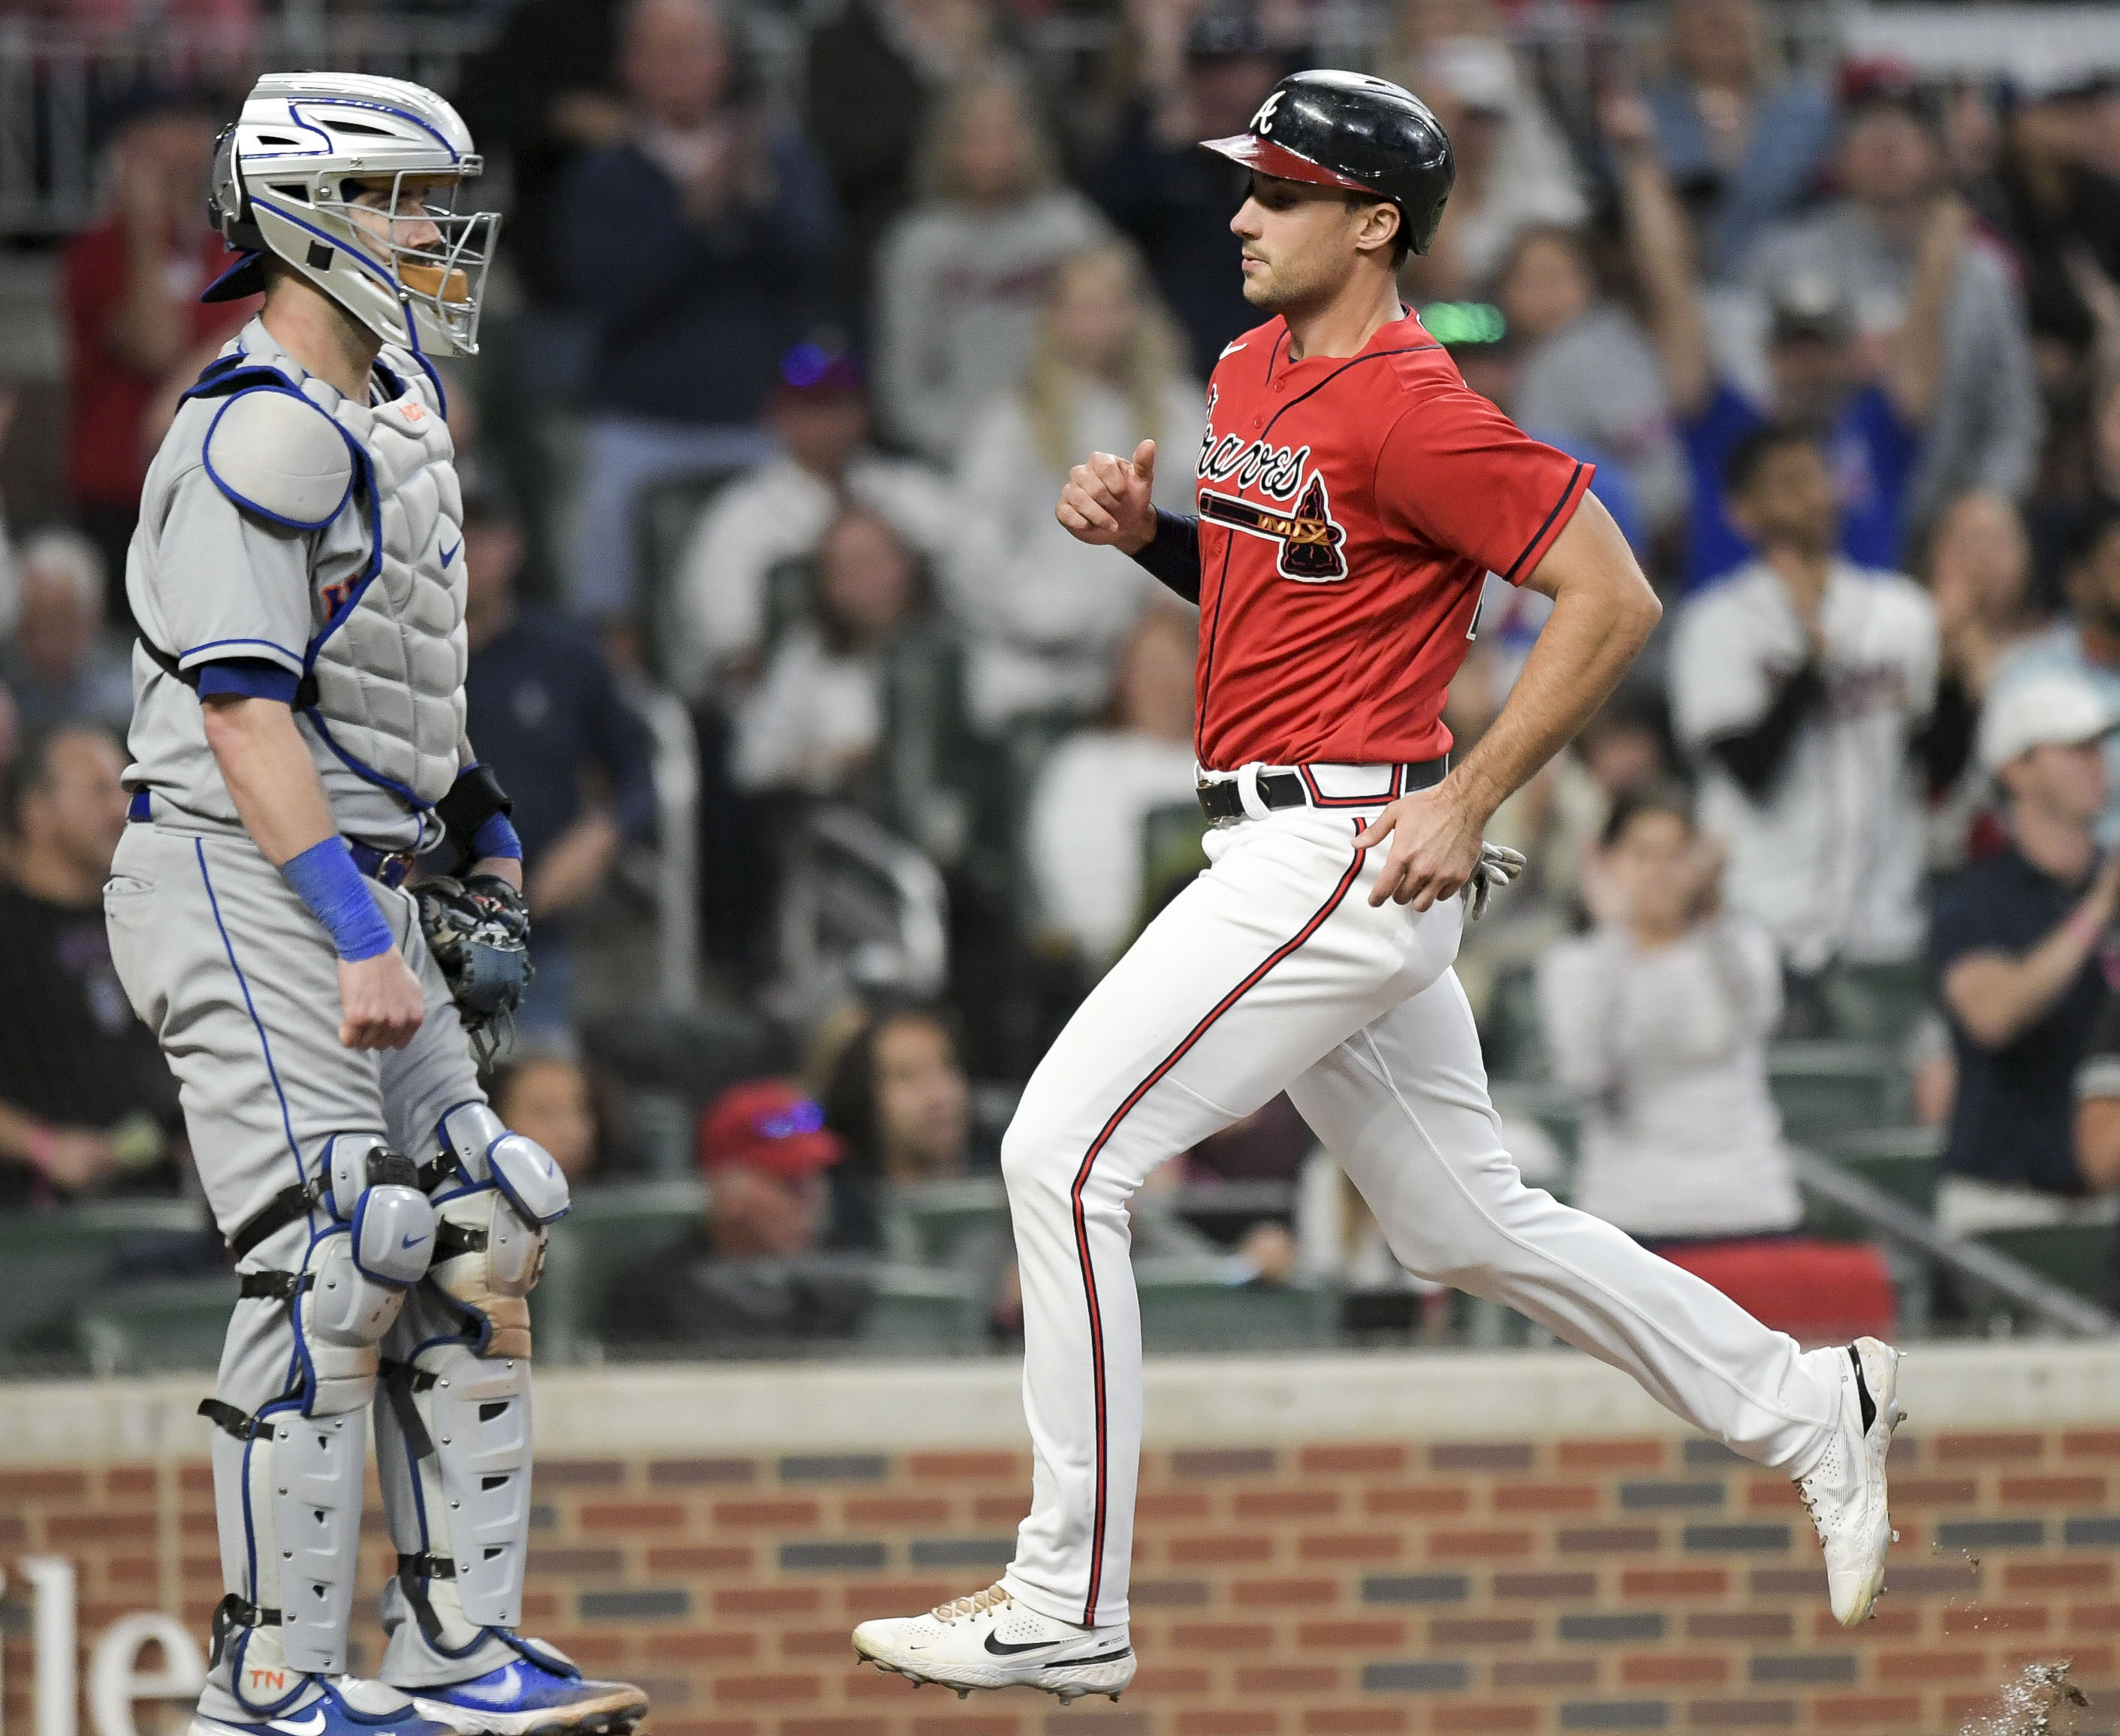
x,y
1616,1583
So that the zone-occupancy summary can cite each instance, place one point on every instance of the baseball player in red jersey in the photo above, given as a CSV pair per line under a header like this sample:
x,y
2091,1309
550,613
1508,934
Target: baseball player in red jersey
x,y
1352,496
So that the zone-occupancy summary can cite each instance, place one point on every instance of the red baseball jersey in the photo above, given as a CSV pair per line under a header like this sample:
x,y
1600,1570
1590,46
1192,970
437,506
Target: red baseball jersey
x,y
1350,509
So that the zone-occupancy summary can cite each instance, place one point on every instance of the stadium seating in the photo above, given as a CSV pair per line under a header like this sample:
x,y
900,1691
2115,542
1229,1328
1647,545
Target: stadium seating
x,y
161,1323
1832,1088
2078,1256
609,1230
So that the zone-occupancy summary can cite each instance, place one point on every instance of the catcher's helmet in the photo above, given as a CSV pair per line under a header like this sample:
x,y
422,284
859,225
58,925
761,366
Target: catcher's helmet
x,y
284,178
1347,129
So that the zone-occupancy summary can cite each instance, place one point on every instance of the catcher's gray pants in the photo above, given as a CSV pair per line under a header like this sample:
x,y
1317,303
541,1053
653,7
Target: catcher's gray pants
x,y
239,982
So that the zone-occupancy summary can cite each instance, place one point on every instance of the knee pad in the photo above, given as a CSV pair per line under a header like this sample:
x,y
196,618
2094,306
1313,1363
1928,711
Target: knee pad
x,y
454,1438
490,1238
375,1192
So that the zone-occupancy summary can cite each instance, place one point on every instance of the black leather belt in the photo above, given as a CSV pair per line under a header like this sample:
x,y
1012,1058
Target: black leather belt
x,y
1220,799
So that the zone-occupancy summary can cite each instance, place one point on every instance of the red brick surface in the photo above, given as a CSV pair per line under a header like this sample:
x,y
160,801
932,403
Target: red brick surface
x,y
1327,1588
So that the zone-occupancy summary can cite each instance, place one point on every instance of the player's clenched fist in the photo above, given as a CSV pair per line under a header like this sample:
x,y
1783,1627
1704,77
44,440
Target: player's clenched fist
x,y
1107,499
381,1000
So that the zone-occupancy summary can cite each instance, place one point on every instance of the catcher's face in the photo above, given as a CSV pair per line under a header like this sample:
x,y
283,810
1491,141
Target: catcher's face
x,y
1301,242
401,219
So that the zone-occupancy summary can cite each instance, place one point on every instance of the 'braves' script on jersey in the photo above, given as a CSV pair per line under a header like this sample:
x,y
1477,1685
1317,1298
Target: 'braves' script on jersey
x,y
1351,507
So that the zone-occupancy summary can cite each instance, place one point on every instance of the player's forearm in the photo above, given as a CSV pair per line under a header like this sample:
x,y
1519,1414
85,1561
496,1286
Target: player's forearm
x,y
1603,613
270,776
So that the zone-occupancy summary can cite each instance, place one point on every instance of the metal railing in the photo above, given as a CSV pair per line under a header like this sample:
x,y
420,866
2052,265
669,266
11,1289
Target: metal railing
x,y
2011,1291
61,87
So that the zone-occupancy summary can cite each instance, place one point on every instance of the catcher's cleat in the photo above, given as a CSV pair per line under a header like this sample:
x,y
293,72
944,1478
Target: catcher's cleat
x,y
1845,1489
988,1640
345,1705
540,1693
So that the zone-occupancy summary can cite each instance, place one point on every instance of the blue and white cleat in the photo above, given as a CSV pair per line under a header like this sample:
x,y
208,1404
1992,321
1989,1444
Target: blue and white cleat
x,y
540,1693
345,1705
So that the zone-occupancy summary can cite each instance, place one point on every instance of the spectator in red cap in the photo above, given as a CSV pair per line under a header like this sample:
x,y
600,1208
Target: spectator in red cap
x,y
750,1279
778,513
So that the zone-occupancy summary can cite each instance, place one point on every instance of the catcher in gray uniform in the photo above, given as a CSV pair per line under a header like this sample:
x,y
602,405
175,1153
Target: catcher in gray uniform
x,y
297,740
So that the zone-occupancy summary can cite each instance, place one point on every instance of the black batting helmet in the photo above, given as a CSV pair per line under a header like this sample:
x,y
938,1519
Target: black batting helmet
x,y
1349,130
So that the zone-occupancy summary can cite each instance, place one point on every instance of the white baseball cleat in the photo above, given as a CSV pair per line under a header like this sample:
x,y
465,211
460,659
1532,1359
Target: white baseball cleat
x,y
988,1640
1845,1490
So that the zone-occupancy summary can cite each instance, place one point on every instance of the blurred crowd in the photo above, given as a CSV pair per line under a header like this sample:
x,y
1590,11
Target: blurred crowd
x,y
779,380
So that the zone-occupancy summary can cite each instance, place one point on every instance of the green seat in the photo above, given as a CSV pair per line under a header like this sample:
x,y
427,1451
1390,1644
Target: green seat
x,y
610,1231
1514,1035
666,514
1901,1161
51,1258
1824,1089
918,1311
1552,1106
926,1224
1877,1003
1186,1308
156,1324
2077,1256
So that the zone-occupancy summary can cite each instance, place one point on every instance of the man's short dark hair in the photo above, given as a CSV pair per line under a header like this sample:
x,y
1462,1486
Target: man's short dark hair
x,y
33,770
1751,454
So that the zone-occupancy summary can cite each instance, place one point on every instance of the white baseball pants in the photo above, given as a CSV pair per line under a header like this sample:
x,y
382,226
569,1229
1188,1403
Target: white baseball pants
x,y
1271,972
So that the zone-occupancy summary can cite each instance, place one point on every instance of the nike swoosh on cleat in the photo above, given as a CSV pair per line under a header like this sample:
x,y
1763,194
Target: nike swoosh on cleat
x,y
314,1725
1001,1648
412,1241
505,1689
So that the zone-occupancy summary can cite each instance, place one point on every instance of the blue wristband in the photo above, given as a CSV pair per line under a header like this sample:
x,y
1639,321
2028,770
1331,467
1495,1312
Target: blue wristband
x,y
328,883
496,838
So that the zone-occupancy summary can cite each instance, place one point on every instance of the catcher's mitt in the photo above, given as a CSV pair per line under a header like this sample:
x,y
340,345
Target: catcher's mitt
x,y
478,929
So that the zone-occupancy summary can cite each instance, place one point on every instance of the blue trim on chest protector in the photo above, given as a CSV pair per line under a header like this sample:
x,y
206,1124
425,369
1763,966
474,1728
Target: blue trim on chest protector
x,y
230,376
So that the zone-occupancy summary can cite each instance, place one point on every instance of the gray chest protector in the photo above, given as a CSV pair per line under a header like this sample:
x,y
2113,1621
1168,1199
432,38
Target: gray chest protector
x,y
384,666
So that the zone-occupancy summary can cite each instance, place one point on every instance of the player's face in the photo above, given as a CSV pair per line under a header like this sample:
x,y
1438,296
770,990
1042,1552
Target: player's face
x,y
1298,242
408,226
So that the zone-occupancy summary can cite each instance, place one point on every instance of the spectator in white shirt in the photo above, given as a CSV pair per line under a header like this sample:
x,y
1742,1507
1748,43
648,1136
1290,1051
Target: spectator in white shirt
x,y
777,513
1659,1020
1085,833
1799,683
960,276
815,718
1047,614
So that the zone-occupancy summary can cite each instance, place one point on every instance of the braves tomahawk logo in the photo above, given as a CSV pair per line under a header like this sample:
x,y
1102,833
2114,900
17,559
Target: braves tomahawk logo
x,y
1310,540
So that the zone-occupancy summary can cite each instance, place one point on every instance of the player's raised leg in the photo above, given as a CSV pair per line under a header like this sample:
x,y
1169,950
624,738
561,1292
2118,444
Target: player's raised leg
x,y
1260,966
1403,1104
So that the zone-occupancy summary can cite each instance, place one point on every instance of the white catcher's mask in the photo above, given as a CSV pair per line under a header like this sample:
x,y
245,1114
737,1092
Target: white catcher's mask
x,y
353,180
